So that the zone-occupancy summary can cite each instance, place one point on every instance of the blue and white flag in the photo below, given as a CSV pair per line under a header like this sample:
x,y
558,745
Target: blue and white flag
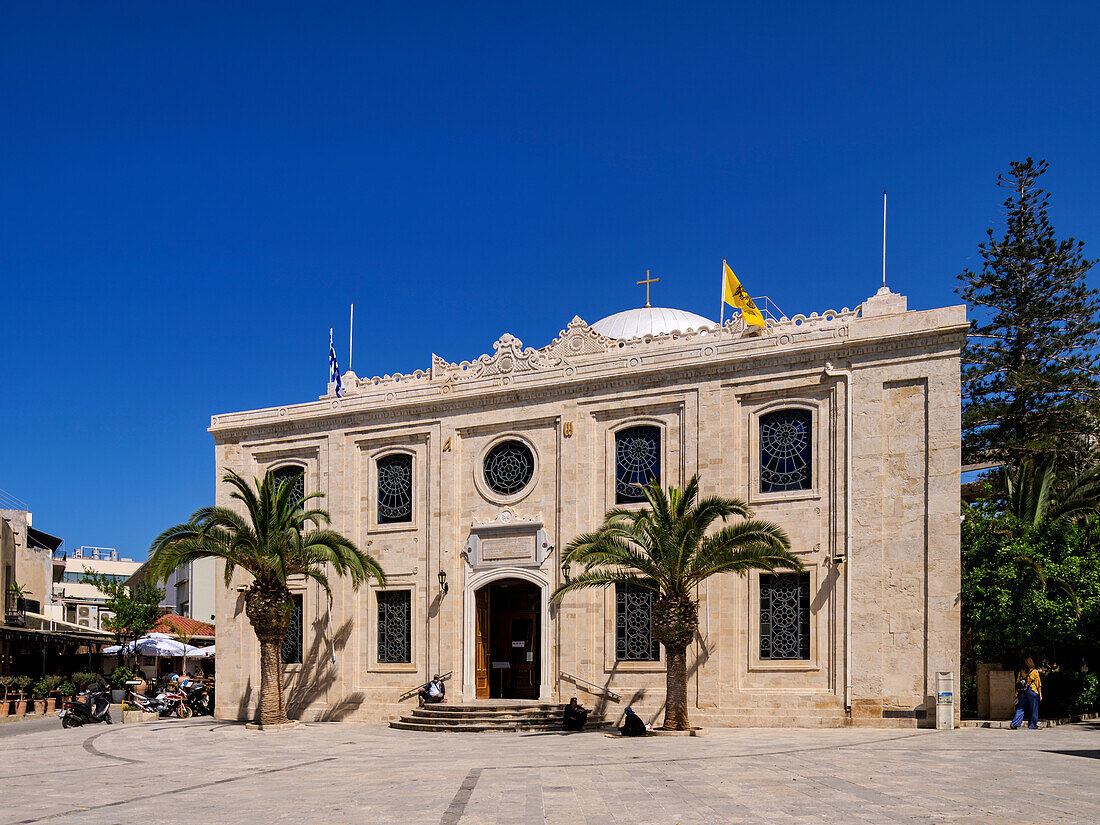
x,y
333,367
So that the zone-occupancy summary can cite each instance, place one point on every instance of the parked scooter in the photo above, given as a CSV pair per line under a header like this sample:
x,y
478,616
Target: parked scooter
x,y
95,708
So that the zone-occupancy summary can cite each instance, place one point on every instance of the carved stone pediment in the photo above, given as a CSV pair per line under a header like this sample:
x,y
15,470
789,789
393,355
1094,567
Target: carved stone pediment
x,y
578,339
507,541
509,357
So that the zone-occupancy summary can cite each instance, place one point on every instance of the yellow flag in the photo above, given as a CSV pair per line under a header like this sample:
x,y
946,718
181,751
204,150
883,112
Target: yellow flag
x,y
734,294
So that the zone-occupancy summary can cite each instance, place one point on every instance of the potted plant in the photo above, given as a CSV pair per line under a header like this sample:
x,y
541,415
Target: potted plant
x,y
20,684
39,691
82,679
5,686
119,677
52,683
66,689
133,713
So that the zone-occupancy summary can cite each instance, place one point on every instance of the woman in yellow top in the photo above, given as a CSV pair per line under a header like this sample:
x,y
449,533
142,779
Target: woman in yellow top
x,y
1029,690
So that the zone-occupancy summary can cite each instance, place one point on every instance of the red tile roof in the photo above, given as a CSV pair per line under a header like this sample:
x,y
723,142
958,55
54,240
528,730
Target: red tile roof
x,y
171,623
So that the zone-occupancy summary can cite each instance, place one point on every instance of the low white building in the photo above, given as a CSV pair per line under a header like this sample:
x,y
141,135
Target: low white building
x,y
83,604
189,590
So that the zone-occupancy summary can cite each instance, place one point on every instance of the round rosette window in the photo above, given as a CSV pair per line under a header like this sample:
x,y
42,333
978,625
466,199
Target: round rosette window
x,y
509,467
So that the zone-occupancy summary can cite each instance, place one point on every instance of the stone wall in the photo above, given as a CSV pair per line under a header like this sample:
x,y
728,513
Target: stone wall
x,y
887,376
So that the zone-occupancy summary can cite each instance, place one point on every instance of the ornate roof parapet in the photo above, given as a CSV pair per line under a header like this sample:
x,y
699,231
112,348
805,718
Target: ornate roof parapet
x,y
813,319
579,346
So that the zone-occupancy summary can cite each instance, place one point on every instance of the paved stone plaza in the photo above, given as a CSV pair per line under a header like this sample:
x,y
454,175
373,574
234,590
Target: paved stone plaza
x,y
326,773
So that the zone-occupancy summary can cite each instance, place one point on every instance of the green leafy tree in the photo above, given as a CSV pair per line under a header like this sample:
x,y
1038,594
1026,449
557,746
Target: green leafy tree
x,y
136,609
277,537
1030,365
666,548
1029,588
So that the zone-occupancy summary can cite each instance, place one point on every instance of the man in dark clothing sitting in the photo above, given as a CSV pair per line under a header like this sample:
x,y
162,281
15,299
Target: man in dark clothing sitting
x,y
433,692
632,724
575,715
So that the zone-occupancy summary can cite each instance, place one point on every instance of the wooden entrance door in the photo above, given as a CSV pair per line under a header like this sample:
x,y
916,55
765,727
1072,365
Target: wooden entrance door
x,y
481,643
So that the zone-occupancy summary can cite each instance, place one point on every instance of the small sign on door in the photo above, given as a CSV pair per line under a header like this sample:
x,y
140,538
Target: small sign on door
x,y
518,644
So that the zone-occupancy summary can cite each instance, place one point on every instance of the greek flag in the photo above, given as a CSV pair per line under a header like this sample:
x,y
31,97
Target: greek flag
x,y
333,367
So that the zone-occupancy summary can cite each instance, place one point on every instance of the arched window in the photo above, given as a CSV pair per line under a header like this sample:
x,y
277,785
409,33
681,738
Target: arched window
x,y
394,488
637,462
509,467
786,450
294,476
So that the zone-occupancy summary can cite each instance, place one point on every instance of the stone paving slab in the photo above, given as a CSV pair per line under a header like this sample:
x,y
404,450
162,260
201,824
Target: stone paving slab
x,y
203,771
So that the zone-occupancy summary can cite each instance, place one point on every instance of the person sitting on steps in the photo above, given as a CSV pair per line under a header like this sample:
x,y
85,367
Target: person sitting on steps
x,y
575,716
632,724
433,692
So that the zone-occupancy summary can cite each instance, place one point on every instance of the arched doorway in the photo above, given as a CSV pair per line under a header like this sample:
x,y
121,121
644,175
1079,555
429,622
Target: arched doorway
x,y
508,640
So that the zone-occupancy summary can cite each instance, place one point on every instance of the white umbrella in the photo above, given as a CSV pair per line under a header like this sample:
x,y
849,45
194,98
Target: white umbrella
x,y
155,644
204,653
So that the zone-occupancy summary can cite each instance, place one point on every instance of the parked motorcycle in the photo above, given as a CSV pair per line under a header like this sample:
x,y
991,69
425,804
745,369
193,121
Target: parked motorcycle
x,y
146,704
197,698
174,703
95,708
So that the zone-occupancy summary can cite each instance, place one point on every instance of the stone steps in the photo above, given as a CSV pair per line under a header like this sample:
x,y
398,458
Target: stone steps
x,y
478,727
489,717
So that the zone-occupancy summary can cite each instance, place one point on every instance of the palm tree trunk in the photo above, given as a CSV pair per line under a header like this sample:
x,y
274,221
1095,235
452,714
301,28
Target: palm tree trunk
x,y
676,706
272,708
268,610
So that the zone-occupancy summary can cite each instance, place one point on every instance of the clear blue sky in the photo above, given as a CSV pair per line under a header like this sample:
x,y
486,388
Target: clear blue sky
x,y
192,193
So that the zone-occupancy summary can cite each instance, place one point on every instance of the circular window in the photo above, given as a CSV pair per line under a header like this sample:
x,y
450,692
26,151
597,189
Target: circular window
x,y
509,467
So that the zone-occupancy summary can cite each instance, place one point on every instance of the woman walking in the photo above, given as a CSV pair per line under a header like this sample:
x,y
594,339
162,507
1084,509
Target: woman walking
x,y
1029,691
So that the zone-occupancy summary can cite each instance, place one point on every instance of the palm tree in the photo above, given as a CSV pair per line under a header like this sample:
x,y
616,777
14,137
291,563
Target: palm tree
x,y
666,548
272,542
1033,497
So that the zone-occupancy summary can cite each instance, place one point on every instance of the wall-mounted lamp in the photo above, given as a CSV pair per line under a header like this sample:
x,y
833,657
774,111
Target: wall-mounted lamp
x,y
443,581
565,570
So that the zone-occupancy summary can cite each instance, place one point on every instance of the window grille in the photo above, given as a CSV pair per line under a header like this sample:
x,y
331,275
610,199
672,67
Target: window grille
x,y
509,467
292,643
634,640
785,616
785,451
394,488
637,462
394,626
295,476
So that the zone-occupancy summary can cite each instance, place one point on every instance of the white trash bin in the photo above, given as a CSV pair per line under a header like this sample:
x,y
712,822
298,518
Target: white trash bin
x,y
945,700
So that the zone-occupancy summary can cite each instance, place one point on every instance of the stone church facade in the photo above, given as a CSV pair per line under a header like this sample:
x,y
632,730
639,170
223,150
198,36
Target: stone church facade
x,y
468,480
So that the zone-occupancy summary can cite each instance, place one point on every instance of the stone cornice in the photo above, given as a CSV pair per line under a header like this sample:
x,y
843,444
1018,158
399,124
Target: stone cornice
x,y
580,361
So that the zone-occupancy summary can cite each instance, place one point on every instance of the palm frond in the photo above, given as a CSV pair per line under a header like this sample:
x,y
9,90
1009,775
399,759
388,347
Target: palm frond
x,y
603,578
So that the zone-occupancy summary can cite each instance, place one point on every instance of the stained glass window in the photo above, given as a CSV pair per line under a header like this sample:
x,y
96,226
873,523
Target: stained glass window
x,y
637,462
785,616
634,640
509,467
294,476
395,488
292,643
785,451
394,626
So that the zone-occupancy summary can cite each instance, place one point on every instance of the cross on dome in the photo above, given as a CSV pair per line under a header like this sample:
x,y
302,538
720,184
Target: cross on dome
x,y
647,282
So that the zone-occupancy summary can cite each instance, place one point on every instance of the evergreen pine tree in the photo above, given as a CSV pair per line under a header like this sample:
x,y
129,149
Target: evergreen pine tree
x,y
1030,365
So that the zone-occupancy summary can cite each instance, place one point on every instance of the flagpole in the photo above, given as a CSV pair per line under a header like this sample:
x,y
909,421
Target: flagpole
x,y
883,238
351,332
722,312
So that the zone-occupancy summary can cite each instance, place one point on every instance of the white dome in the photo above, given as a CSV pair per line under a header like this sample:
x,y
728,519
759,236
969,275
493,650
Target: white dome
x,y
634,323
